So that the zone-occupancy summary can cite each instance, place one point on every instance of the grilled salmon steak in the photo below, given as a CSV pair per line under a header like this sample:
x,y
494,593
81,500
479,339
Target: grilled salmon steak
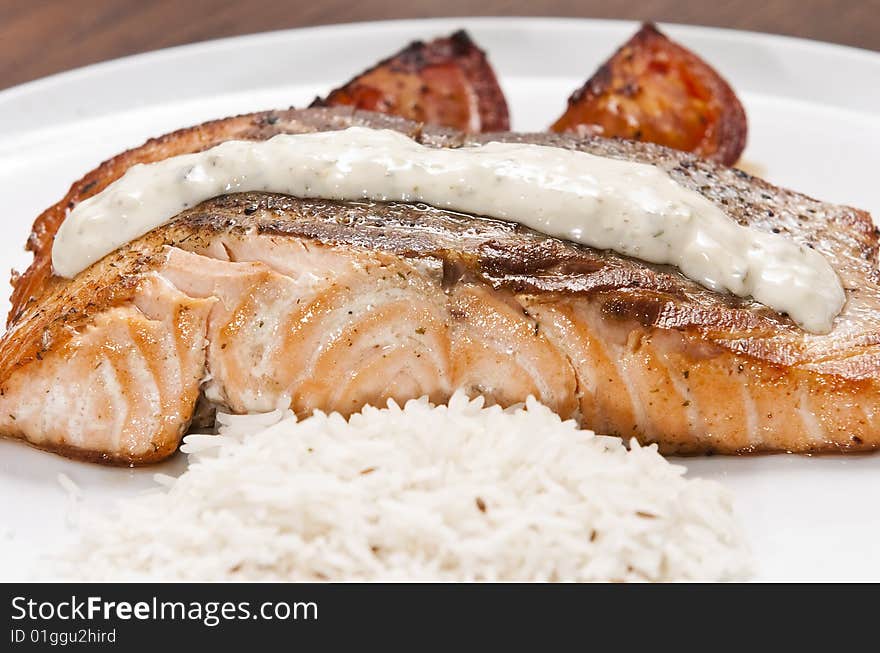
x,y
251,301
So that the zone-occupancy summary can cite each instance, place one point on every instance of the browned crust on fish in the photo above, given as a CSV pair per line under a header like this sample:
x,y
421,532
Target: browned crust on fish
x,y
255,126
650,303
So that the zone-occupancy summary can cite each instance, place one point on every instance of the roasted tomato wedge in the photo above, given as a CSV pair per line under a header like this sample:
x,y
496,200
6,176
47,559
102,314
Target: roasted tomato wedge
x,y
446,82
655,90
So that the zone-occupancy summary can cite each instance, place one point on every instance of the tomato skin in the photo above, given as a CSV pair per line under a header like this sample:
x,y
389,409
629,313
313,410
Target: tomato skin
x,y
653,89
447,82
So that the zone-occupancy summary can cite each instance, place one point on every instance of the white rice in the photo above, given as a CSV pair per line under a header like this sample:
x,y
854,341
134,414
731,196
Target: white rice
x,y
69,486
457,492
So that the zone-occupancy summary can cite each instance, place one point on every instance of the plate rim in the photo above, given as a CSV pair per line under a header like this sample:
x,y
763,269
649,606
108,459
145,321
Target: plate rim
x,y
546,21
262,39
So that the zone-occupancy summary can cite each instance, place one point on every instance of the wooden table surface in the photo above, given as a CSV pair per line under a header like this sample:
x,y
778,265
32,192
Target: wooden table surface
x,y
38,38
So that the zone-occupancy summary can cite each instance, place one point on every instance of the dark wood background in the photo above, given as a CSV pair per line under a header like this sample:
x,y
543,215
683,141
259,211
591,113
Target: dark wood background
x,y
38,38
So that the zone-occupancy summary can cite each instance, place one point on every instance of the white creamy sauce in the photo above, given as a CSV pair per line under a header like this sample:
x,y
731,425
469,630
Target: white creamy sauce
x,y
632,208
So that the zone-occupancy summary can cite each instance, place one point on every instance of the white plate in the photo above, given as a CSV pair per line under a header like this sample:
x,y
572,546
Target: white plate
x,y
814,126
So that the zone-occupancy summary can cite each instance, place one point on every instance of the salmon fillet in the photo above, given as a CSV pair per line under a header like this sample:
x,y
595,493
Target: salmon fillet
x,y
252,301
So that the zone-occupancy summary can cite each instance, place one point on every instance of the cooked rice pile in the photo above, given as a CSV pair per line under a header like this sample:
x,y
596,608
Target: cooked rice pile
x,y
457,492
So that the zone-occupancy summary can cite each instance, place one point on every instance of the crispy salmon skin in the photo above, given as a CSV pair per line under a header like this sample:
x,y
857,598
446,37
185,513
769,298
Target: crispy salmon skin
x,y
255,300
